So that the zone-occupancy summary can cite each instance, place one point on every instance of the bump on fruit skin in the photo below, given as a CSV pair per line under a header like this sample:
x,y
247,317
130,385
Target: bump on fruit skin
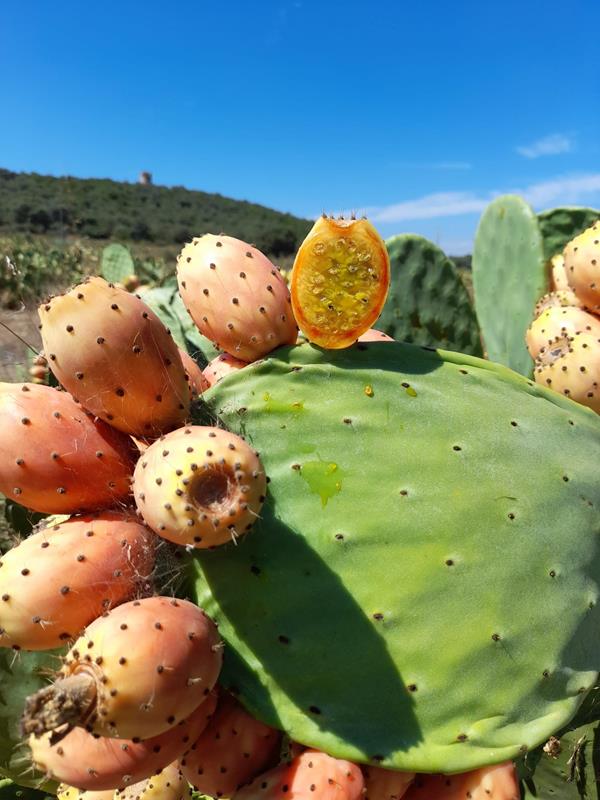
x,y
582,265
113,353
385,784
55,457
199,486
235,296
571,366
558,321
340,280
221,366
232,750
63,577
95,763
489,783
310,775
168,784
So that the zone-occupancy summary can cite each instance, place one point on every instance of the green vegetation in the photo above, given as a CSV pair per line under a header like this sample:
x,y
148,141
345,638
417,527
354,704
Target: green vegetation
x,y
105,209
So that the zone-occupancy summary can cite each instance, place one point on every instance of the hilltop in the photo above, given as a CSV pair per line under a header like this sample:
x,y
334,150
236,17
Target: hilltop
x,y
112,210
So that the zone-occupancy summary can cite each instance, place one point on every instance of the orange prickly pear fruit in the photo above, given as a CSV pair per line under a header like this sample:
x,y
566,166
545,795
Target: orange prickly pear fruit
x,y
386,784
168,784
65,792
55,457
489,783
582,265
557,321
558,275
373,335
340,280
112,352
559,298
236,296
571,366
196,379
221,366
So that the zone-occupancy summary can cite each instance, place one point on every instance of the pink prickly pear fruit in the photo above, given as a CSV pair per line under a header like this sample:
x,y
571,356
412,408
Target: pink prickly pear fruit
x,y
134,673
65,792
558,321
221,366
311,775
489,783
196,380
95,763
168,784
558,274
385,784
582,265
571,366
112,352
373,335
233,749
60,579
563,297
199,486
55,457
235,295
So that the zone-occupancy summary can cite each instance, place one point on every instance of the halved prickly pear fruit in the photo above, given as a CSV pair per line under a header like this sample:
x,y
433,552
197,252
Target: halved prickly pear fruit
x,y
373,335
60,579
232,750
582,265
168,784
235,296
196,380
558,274
558,321
571,366
221,366
489,783
96,763
199,486
134,673
310,775
112,352
560,298
340,280
55,457
71,793
386,784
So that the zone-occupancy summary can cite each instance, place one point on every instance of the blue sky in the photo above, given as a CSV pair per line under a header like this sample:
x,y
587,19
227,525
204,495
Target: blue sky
x,y
416,113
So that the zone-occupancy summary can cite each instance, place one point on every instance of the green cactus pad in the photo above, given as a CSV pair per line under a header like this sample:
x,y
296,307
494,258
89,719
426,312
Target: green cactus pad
x,y
12,791
421,587
509,277
21,674
116,264
427,303
560,225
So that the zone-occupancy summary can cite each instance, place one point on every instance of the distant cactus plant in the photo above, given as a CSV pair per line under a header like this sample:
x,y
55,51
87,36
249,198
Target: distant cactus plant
x,y
427,303
117,264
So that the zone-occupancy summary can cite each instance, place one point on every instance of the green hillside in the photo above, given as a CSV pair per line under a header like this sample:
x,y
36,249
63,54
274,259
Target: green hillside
x,y
105,209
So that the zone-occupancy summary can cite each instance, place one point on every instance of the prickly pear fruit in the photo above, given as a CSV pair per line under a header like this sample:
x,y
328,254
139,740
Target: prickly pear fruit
x,y
199,486
558,321
168,784
386,784
221,366
310,775
196,380
582,265
563,297
112,352
134,673
571,366
54,457
235,295
558,274
95,763
60,579
340,280
373,335
233,749
71,793
489,783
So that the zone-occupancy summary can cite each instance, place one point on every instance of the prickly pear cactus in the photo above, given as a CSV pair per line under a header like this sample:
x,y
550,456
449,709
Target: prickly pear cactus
x,y
427,302
117,263
430,518
20,674
11,791
559,225
509,277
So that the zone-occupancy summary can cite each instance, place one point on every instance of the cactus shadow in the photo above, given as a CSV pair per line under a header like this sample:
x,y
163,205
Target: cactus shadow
x,y
302,652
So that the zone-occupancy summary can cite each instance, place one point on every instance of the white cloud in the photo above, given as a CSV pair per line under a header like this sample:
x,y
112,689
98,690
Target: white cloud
x,y
568,190
550,145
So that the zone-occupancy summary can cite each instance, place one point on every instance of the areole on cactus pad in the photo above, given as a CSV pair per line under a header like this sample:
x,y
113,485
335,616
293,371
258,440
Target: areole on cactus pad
x,y
421,589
